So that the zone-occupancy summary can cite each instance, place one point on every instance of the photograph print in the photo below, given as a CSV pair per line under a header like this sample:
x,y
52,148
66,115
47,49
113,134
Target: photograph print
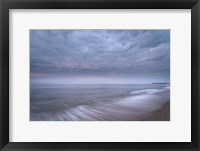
x,y
99,75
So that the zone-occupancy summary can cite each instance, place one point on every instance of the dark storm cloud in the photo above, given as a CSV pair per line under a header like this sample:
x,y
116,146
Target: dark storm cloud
x,y
139,54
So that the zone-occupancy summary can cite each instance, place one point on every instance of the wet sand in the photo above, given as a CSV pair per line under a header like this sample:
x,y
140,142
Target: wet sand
x,y
162,114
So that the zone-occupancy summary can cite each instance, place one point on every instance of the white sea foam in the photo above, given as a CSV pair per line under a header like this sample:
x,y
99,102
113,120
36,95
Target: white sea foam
x,y
148,91
166,87
148,102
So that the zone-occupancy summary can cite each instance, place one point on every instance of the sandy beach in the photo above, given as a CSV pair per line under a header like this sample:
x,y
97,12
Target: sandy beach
x,y
162,114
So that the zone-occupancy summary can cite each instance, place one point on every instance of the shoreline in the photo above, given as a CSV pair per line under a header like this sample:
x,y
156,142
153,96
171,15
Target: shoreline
x,y
150,106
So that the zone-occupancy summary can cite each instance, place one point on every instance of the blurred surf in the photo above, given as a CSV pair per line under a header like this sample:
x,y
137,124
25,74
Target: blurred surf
x,y
96,102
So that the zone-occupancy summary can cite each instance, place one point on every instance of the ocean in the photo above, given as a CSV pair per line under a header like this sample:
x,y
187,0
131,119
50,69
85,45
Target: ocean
x,y
96,102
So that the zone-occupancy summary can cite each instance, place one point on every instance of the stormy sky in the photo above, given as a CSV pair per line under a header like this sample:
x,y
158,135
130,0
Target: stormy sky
x,y
99,56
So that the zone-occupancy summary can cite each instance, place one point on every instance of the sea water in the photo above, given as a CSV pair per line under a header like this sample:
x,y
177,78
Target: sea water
x,y
95,102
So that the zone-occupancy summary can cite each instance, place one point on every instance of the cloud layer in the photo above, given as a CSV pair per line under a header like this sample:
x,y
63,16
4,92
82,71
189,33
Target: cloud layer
x,y
99,56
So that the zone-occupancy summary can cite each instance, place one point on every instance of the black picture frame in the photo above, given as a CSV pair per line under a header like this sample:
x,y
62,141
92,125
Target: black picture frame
x,y
5,5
